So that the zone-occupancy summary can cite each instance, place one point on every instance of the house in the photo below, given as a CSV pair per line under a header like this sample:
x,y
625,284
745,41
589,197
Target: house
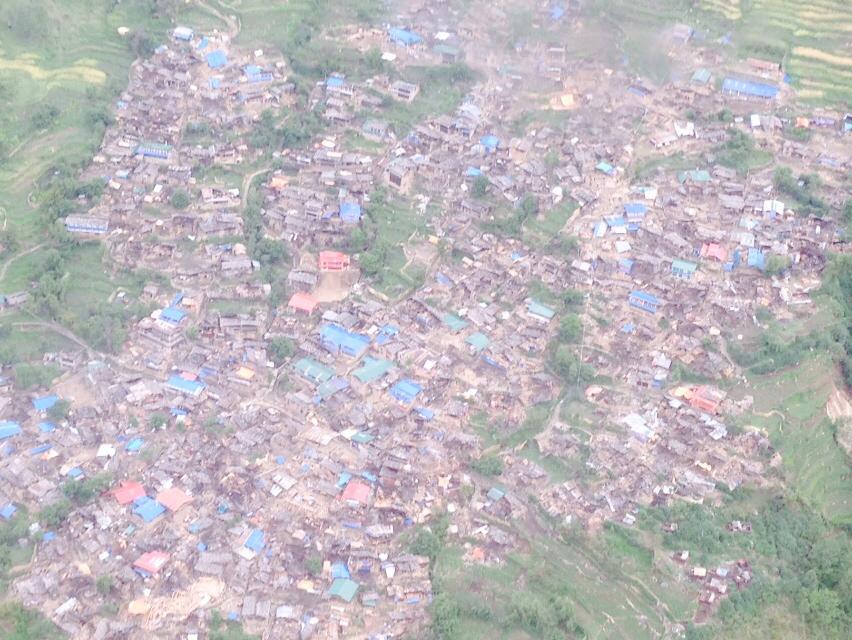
x,y
376,130
539,312
372,369
350,212
185,386
448,53
644,301
404,37
400,175
743,88
683,269
404,91
86,224
337,340
153,150
714,251
333,261
313,371
304,302
707,398
405,391
183,33
216,59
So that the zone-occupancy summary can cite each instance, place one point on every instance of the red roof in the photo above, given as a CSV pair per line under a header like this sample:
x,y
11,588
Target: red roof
x,y
152,561
128,491
173,499
303,302
356,491
713,250
333,260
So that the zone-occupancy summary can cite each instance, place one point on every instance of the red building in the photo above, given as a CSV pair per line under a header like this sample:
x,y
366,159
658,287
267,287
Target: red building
x,y
333,261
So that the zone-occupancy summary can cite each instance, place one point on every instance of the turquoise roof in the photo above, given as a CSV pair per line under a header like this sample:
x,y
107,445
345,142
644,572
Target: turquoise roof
x,y
478,341
538,309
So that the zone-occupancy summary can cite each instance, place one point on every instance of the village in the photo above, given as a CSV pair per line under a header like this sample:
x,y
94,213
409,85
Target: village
x,y
272,444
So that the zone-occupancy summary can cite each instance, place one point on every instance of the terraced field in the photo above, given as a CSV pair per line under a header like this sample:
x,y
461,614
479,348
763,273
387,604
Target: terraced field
x,y
815,39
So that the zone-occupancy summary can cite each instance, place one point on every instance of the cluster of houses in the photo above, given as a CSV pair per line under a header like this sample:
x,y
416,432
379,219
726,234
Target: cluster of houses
x,y
271,461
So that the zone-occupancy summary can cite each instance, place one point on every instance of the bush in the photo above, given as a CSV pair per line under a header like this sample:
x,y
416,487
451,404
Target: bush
x,y
490,465
55,514
180,199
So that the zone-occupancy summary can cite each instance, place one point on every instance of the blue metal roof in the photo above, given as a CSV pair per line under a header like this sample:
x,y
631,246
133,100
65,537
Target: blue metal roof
x,y
8,511
635,208
335,338
173,315
756,258
749,88
148,509
45,402
405,391
134,445
192,387
217,59
645,297
256,540
350,212
9,429
490,142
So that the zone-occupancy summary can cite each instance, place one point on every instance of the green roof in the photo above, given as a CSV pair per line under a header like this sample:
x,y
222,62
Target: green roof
x,y
344,589
683,265
701,76
372,369
362,437
696,175
478,341
455,323
313,370
538,309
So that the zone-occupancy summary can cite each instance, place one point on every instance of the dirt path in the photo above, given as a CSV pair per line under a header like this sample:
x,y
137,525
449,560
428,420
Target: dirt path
x,y
233,22
8,262
247,180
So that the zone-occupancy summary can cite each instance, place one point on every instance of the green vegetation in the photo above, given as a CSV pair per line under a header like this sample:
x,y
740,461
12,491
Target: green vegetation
x,y
799,561
82,491
32,376
740,153
104,584
227,630
280,350
801,189
18,623
180,199
441,91
313,565
490,465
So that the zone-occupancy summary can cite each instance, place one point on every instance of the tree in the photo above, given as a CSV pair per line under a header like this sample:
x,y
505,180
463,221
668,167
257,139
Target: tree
x,y
570,328
269,252
157,421
104,584
570,368
776,264
280,349
480,186
180,199
141,44
59,410
572,297
373,60
44,116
